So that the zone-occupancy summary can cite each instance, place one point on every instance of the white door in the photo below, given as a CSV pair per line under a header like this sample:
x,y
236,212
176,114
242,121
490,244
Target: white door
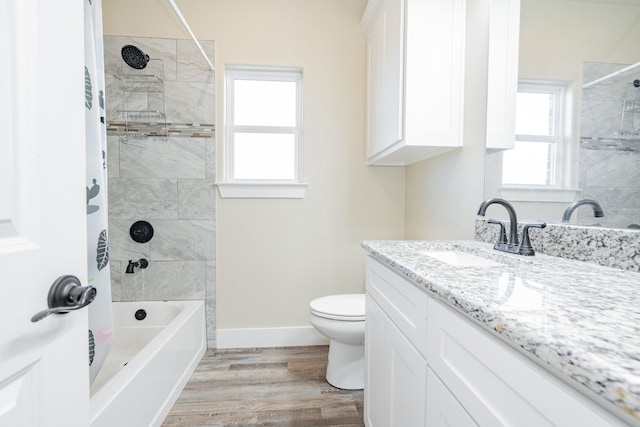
x,y
44,372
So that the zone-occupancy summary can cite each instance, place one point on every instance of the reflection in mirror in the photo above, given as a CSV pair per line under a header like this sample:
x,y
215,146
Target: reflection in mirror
x,y
586,49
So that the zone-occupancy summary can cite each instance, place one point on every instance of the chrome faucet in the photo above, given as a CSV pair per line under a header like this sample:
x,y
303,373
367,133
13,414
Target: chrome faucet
x,y
511,245
597,209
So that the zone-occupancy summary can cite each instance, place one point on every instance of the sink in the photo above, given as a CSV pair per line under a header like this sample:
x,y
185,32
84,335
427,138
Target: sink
x,y
461,259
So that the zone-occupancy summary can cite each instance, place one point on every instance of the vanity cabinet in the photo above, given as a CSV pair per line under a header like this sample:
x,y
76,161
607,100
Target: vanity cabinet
x,y
442,408
415,78
395,342
429,365
395,395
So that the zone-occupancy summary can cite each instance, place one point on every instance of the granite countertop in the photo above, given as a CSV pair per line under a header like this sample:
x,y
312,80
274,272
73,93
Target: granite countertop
x,y
578,320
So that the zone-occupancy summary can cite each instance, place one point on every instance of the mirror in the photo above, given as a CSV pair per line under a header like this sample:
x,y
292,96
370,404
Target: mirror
x,y
578,43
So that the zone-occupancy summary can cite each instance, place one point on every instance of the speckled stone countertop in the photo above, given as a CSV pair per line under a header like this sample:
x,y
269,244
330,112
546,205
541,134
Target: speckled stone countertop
x,y
578,320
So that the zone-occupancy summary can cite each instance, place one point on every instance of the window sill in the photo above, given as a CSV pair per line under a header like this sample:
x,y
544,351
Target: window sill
x,y
262,190
539,194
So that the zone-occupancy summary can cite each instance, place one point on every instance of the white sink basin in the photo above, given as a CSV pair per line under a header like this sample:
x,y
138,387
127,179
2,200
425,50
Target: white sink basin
x,y
461,259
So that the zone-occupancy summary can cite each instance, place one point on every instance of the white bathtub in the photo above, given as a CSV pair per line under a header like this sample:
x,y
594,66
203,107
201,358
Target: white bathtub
x,y
149,363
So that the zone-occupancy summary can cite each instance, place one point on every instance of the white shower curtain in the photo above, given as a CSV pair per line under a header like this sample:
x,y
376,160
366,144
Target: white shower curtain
x,y
101,334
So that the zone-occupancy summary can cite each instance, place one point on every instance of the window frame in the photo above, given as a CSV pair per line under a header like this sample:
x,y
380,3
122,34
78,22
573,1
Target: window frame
x,y
261,188
563,186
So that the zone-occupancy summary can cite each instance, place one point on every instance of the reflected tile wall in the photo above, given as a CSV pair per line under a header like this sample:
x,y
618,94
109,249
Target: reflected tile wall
x,y
608,167
169,183
601,104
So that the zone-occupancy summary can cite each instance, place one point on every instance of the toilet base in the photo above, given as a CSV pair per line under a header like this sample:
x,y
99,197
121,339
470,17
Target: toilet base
x,y
345,368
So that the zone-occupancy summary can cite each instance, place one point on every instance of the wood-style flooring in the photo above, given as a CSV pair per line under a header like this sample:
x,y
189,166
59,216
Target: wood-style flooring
x,y
265,387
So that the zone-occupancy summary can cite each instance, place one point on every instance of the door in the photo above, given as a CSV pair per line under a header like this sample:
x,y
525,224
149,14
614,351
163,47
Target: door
x,y
44,372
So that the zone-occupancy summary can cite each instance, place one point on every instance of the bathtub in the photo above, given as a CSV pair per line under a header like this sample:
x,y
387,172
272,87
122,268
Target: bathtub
x,y
149,363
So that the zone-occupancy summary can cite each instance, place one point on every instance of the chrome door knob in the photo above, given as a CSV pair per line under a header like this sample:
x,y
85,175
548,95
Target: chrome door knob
x,y
66,294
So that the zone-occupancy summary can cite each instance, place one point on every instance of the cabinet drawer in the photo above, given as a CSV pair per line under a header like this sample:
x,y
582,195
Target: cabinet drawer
x,y
402,301
497,385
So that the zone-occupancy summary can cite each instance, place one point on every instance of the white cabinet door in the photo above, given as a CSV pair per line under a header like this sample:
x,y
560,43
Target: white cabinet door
x,y
395,388
502,85
498,386
401,301
44,366
415,92
376,348
443,410
407,388
385,78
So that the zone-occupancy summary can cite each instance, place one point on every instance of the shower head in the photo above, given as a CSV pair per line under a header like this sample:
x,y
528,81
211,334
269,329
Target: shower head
x,y
134,57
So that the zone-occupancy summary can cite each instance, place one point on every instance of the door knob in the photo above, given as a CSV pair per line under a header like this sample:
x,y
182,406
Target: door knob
x,y
66,294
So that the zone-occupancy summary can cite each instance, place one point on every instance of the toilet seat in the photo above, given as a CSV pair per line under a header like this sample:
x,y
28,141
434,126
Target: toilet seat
x,y
348,307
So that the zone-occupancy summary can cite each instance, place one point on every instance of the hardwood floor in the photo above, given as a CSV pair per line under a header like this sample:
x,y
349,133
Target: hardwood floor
x,y
265,387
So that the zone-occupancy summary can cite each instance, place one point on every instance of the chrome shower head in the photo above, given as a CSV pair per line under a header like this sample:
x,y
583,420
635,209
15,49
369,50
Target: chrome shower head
x,y
134,57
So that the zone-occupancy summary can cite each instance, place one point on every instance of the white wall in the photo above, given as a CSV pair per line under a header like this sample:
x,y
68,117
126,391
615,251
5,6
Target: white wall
x,y
274,256
557,35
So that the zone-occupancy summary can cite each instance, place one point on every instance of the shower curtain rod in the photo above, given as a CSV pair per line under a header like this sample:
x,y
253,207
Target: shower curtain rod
x,y
608,76
174,6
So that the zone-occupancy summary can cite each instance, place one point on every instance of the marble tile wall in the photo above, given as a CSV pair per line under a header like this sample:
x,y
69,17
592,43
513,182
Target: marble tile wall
x,y
617,248
610,146
167,181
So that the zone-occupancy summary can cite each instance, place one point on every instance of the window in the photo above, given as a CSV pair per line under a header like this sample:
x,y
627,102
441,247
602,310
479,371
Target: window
x,y
540,151
263,133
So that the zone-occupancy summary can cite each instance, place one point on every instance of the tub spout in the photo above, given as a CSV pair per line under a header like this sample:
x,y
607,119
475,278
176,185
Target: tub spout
x,y
141,263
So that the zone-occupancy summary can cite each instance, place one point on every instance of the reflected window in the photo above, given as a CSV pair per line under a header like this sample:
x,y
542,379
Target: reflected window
x,y
537,152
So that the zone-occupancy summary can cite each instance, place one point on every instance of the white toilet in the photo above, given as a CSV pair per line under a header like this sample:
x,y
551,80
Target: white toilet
x,y
341,319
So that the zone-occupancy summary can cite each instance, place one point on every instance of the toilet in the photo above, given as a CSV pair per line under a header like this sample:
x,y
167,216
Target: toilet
x,y
341,319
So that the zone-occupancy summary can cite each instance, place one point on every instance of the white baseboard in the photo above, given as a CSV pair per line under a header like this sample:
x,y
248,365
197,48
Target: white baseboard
x,y
269,337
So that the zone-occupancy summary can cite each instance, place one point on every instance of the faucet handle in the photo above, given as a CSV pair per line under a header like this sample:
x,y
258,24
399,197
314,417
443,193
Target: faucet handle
x,y
525,247
502,235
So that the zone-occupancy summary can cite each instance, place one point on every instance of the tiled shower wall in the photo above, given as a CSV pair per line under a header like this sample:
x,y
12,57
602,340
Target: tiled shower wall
x,y
168,182
610,146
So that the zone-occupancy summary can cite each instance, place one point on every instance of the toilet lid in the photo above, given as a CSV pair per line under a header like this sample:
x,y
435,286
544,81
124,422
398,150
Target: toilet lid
x,y
345,307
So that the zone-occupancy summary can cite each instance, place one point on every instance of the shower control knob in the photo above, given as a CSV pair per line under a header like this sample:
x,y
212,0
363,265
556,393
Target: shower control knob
x,y
66,294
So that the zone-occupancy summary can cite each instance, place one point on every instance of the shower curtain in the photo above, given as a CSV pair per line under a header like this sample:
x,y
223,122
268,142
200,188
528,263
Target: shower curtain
x,y
101,335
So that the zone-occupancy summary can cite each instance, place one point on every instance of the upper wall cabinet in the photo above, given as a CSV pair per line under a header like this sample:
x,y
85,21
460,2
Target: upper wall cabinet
x,y
415,83
502,84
